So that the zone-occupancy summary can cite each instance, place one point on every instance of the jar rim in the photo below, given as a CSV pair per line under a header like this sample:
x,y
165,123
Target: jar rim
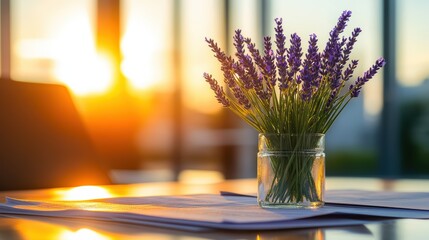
x,y
291,142
292,134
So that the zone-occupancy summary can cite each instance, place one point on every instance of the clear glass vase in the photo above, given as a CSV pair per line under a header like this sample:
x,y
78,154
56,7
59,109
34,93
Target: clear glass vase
x,y
291,170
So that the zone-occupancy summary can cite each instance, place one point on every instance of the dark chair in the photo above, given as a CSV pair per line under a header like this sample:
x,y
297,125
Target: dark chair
x,y
43,141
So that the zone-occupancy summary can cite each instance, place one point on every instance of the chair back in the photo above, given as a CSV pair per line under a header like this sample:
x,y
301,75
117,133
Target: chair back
x,y
43,141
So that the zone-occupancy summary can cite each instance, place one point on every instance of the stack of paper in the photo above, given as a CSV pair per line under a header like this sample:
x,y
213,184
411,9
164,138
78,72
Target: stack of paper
x,y
229,211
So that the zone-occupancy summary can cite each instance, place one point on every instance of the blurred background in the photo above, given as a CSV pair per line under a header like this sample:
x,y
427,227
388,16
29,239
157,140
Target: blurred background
x,y
135,69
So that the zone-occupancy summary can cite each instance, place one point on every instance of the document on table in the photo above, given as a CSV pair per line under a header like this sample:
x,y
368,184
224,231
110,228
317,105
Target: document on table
x,y
211,211
405,200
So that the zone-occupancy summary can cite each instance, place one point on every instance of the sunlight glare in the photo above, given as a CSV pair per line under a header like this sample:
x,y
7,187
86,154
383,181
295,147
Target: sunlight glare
x,y
142,52
199,57
77,63
83,233
85,193
139,72
92,74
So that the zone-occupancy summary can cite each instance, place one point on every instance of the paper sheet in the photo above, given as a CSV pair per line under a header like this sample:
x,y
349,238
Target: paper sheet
x,y
385,199
406,200
211,211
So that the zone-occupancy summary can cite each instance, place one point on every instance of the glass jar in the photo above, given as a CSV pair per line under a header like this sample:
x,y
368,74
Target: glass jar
x,y
291,170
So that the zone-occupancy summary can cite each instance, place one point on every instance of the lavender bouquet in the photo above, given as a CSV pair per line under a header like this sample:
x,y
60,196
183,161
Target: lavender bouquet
x,y
280,91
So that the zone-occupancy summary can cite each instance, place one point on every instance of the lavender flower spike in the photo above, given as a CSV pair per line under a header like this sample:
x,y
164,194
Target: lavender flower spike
x,y
228,66
294,57
225,61
348,73
332,51
218,90
239,95
349,46
270,67
259,61
339,28
355,89
280,57
240,54
239,44
335,32
310,71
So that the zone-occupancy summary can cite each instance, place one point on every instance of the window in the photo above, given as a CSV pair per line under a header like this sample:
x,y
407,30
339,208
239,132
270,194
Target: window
x,y
150,108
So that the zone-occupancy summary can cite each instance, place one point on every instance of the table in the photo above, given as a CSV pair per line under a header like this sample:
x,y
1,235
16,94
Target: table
x,y
30,227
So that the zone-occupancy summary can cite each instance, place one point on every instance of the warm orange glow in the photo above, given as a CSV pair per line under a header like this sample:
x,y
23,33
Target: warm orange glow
x,y
139,74
71,52
146,44
85,76
140,54
197,94
200,177
30,229
83,233
77,63
92,75
85,193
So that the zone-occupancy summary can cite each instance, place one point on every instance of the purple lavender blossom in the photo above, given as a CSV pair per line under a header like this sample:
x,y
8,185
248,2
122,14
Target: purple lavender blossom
x,y
319,77
227,67
247,63
270,67
341,58
335,32
252,75
239,44
218,90
348,73
258,85
310,71
241,73
355,89
280,57
225,61
294,54
336,65
332,53
259,61
219,54
241,65
349,46
265,93
239,95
